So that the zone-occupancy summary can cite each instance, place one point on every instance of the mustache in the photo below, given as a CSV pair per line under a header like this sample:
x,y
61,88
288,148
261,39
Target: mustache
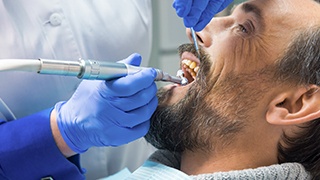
x,y
189,47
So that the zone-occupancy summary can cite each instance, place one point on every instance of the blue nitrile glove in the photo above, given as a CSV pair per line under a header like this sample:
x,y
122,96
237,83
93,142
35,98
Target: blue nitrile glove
x,y
109,113
198,13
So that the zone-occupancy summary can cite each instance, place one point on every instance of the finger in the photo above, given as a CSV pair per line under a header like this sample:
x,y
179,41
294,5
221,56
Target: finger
x,y
130,84
127,135
137,116
197,8
137,100
134,59
206,16
182,7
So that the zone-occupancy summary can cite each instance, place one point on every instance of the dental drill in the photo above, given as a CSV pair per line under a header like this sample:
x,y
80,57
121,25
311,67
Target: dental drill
x,y
83,69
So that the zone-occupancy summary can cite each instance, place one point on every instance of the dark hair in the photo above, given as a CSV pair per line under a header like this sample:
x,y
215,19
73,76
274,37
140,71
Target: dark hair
x,y
301,65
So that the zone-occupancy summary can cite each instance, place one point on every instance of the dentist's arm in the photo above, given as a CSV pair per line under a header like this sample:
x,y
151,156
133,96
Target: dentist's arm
x,y
61,144
198,13
98,114
28,147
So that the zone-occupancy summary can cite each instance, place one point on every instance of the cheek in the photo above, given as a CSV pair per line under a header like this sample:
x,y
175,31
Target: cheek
x,y
247,55
224,59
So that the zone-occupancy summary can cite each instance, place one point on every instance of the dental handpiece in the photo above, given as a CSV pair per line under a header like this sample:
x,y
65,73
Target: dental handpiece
x,y
92,69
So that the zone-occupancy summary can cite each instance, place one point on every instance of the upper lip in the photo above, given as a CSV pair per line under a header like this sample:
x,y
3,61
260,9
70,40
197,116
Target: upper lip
x,y
190,56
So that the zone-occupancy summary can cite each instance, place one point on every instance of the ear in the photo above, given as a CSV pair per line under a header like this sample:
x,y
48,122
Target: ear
x,y
295,106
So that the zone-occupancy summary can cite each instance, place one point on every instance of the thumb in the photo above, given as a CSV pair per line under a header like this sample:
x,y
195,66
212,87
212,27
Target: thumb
x,y
134,59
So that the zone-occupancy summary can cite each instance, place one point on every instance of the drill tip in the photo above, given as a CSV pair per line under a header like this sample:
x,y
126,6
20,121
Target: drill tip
x,y
180,74
184,81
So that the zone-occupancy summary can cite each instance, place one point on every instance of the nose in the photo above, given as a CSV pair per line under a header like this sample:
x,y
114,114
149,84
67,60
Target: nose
x,y
212,30
203,38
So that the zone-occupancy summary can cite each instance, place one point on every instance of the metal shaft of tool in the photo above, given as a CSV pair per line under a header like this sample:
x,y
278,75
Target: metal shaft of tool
x,y
163,76
91,69
195,41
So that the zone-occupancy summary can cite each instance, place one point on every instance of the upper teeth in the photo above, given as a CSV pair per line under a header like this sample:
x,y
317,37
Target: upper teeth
x,y
191,67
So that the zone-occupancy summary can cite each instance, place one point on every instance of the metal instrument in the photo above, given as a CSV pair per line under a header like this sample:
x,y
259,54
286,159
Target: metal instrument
x,y
83,69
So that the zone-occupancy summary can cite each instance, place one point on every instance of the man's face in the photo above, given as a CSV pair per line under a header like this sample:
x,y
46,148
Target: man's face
x,y
235,80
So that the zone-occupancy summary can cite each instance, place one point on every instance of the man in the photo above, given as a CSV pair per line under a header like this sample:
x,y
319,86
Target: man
x,y
36,147
252,110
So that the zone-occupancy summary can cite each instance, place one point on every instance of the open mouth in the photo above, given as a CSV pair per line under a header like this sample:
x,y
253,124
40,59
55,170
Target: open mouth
x,y
189,64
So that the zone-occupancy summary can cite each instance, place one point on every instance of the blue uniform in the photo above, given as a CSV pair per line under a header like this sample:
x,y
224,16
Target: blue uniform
x,y
29,151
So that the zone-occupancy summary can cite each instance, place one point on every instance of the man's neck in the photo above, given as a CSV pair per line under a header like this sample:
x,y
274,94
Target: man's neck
x,y
228,159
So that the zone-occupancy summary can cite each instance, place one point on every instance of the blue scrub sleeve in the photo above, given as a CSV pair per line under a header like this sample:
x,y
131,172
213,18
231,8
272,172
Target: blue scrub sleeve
x,y
28,151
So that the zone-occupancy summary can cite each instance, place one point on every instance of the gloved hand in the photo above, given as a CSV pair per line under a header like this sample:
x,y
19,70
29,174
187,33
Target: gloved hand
x,y
198,13
108,113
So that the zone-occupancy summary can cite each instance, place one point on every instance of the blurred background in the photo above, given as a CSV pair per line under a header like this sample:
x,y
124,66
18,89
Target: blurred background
x,y
168,33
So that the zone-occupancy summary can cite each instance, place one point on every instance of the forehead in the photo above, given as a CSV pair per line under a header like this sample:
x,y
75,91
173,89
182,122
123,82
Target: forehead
x,y
290,13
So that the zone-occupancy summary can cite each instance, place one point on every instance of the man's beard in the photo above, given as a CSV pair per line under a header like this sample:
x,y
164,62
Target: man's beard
x,y
211,113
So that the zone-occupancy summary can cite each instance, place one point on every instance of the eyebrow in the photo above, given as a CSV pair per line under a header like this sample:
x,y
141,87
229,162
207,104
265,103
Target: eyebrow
x,y
251,8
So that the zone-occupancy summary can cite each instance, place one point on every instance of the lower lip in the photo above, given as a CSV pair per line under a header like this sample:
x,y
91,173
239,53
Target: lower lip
x,y
176,87
171,86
